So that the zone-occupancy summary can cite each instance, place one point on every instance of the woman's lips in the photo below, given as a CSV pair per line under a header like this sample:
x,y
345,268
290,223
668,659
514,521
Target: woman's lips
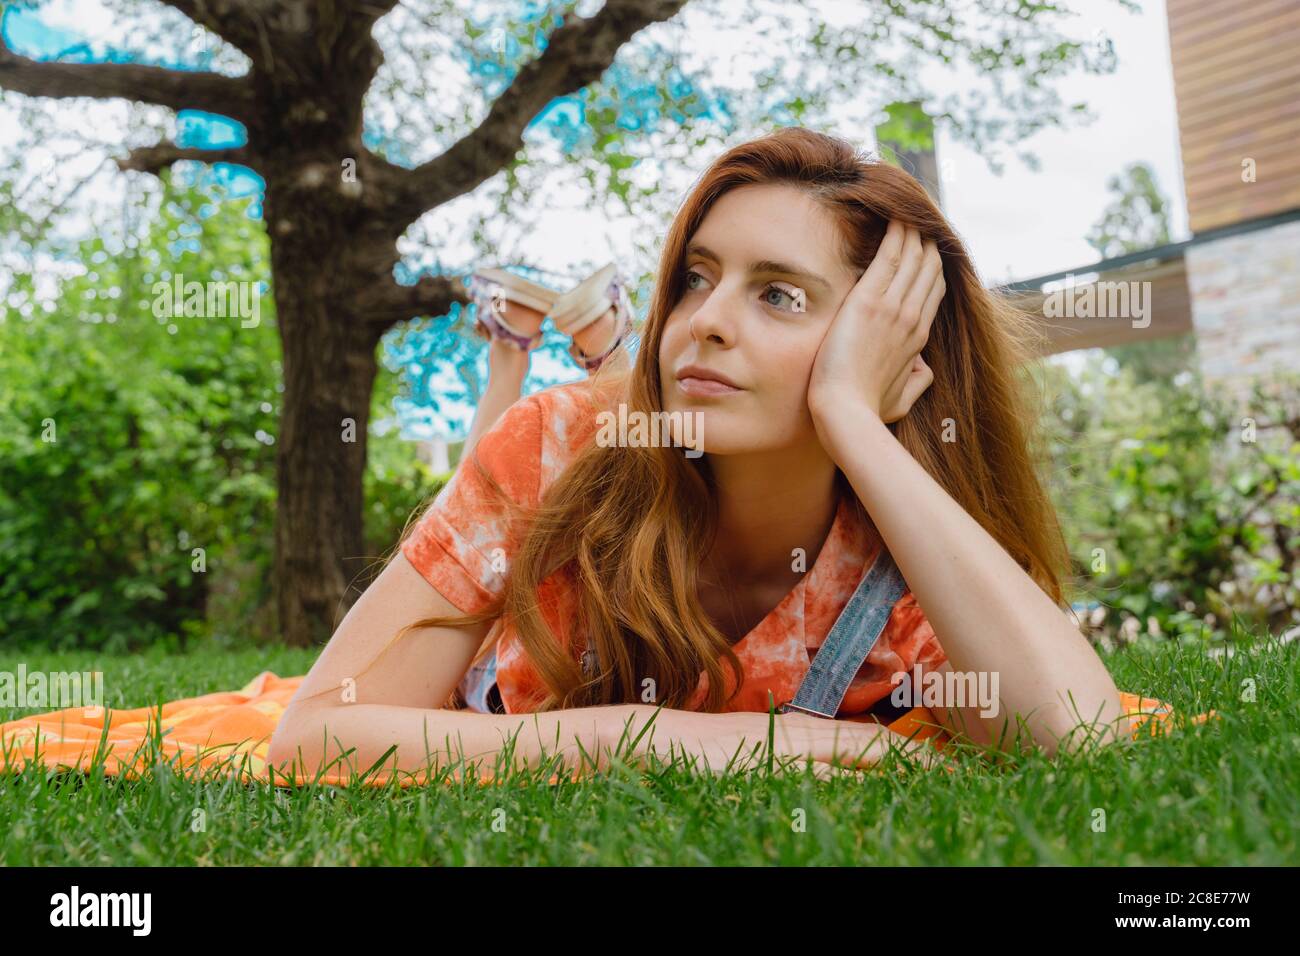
x,y
704,387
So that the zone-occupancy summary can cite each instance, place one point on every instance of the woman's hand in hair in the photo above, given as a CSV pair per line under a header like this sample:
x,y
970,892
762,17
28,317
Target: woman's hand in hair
x,y
869,361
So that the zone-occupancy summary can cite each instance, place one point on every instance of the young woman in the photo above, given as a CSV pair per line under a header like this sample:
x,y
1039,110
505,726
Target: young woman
x,y
854,396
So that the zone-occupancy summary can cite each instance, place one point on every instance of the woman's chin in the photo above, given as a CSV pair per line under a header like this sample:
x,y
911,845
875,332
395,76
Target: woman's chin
x,y
715,427
717,433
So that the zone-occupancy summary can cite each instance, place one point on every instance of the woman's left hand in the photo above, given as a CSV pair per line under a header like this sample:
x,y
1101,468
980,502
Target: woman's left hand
x,y
870,358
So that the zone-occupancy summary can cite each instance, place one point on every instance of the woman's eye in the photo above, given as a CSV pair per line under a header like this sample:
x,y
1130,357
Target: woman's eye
x,y
779,291
767,292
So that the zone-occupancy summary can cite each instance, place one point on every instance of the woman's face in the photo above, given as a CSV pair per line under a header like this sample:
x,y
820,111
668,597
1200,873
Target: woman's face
x,y
762,281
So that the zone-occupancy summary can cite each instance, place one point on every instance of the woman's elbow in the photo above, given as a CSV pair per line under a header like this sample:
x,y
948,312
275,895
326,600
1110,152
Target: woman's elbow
x,y
296,737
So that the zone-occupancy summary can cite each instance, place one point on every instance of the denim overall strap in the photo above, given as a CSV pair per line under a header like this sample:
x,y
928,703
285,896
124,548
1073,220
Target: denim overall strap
x,y
850,640
478,683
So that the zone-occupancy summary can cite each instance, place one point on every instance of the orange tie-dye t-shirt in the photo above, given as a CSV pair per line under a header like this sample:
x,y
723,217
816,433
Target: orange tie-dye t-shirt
x,y
461,547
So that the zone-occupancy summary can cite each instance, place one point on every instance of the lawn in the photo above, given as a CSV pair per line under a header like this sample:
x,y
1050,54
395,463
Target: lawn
x,y
1223,793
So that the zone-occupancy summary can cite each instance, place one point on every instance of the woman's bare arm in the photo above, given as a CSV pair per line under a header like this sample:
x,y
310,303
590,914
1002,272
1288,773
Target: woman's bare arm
x,y
342,720
398,700
988,613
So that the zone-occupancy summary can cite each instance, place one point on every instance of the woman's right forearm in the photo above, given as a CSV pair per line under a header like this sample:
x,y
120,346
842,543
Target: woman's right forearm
x,y
427,738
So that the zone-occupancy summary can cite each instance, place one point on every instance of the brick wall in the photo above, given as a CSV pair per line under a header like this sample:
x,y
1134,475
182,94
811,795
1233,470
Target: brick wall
x,y
1245,293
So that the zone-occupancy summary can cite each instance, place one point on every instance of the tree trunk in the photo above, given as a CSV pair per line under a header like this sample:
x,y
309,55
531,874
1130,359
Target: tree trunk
x,y
329,375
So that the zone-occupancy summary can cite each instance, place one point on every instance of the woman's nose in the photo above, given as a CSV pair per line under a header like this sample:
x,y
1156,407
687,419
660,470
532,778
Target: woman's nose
x,y
710,321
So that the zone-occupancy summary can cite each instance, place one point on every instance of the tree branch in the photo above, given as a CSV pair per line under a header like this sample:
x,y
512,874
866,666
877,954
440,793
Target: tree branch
x,y
150,159
373,9
175,89
232,20
386,303
577,53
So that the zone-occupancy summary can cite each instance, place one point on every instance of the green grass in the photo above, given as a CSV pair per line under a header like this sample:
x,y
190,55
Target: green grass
x,y
1219,794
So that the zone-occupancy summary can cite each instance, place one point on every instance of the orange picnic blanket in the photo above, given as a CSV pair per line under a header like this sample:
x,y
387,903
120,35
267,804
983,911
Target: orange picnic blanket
x,y
227,733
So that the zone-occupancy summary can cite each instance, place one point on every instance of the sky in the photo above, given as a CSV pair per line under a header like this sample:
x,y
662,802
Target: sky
x,y
1023,223
1137,121
1020,224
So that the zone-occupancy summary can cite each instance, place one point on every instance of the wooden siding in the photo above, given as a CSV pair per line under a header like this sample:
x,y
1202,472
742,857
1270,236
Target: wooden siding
x,y
1171,311
1237,82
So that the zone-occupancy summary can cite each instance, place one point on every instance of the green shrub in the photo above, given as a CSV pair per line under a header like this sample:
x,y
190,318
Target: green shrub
x,y
136,455
128,441
1181,506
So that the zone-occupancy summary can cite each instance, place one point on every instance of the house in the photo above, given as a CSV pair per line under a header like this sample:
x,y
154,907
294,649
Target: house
x,y
1235,284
